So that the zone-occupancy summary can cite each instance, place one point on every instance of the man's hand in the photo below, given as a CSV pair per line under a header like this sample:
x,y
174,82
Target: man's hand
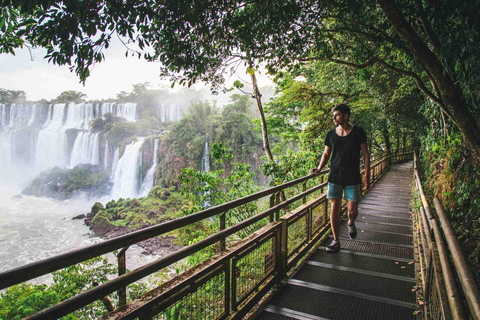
x,y
366,184
315,171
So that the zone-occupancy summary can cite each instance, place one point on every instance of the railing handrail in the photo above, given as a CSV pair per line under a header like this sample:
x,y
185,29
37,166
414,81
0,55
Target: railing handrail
x,y
36,269
465,274
462,269
42,267
39,268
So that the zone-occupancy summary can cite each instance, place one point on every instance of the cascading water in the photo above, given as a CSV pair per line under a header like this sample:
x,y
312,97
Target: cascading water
x,y
205,168
116,157
169,112
38,137
205,159
86,149
150,176
125,178
106,155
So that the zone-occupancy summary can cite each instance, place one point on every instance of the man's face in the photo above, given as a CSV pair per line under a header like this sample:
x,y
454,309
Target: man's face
x,y
339,118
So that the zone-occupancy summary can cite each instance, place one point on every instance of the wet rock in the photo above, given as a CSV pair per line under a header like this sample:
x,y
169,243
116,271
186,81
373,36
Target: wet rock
x,y
160,245
80,216
101,223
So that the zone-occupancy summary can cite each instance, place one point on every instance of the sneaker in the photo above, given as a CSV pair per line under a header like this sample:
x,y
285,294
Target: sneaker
x,y
352,231
333,247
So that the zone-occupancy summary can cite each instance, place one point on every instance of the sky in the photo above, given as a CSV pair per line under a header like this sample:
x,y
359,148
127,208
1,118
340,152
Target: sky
x,y
43,80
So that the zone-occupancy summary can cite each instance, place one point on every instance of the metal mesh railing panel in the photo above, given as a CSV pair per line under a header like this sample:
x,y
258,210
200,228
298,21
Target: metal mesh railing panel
x,y
434,304
319,217
206,302
253,268
297,234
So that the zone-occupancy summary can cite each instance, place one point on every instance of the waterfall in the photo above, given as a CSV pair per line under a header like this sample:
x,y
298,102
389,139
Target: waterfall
x,y
33,115
51,145
150,176
86,149
116,156
79,116
3,115
127,111
37,137
5,153
205,159
124,110
168,112
125,179
105,155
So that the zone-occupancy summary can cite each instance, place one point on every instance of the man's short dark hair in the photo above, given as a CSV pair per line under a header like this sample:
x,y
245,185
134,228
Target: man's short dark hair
x,y
343,108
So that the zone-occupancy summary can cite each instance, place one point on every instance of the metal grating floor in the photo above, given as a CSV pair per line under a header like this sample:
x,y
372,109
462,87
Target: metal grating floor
x,y
331,305
373,276
397,267
383,219
366,227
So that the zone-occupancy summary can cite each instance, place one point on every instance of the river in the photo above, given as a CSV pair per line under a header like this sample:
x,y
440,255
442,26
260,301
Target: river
x,y
33,229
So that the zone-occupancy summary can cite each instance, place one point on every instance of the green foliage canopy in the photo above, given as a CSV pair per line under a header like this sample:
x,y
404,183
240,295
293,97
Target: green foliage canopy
x,y
436,44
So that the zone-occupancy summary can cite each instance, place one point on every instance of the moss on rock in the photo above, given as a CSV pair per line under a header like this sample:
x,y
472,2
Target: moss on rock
x,y
101,222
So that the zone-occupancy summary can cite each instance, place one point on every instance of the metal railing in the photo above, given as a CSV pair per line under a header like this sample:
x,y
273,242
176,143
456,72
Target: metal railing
x,y
227,285
437,247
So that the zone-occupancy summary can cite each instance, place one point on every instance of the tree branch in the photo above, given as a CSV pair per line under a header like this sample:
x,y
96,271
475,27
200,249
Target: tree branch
x,y
351,64
427,27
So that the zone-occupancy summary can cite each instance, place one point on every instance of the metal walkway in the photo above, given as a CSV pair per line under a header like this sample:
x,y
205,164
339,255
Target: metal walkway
x,y
373,276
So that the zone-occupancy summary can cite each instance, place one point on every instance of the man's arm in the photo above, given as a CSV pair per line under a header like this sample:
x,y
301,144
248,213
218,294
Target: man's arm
x,y
366,162
323,161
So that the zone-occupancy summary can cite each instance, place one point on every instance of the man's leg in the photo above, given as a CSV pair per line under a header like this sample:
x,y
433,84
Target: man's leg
x,y
334,194
352,194
352,208
336,206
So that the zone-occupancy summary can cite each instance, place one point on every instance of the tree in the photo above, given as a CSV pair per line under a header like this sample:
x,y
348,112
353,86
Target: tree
x,y
12,96
70,96
436,44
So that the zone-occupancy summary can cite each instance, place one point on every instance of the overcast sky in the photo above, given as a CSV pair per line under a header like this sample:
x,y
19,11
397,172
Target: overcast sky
x,y
43,80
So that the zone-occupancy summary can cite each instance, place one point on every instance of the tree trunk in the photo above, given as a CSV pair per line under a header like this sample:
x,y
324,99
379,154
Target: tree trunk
x,y
258,96
386,138
451,95
398,140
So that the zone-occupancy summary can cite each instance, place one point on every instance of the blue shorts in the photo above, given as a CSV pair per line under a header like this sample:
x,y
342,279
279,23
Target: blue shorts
x,y
351,193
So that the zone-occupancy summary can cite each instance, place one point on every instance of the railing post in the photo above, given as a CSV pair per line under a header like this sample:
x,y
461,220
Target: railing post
x,y
325,213
272,204
310,224
304,188
321,182
228,288
283,250
122,269
223,243
429,276
277,201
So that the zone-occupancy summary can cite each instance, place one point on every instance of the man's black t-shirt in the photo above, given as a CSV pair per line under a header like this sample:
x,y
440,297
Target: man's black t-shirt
x,y
345,163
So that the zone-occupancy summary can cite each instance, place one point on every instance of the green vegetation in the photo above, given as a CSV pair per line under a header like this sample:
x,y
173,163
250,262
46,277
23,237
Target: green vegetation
x,y
25,299
70,96
12,96
64,183
160,205
451,176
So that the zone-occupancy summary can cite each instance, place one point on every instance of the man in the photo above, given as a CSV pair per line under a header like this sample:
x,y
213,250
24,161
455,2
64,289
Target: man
x,y
344,143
